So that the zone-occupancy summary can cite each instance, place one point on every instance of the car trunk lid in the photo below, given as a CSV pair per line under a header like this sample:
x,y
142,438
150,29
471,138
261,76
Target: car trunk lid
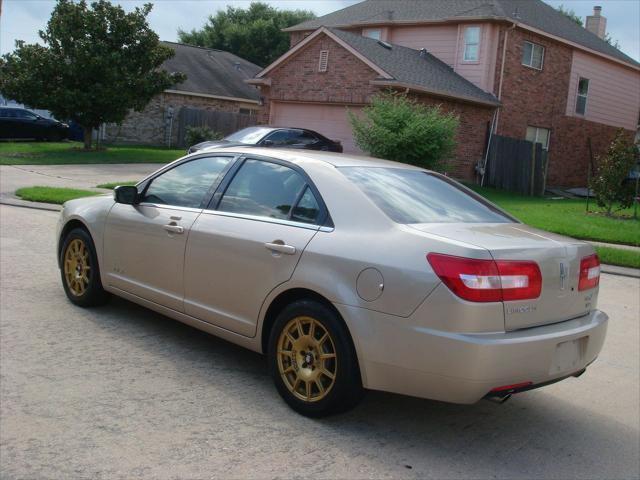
x,y
558,258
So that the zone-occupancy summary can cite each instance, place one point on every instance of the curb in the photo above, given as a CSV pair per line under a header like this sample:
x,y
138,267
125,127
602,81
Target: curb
x,y
620,271
49,207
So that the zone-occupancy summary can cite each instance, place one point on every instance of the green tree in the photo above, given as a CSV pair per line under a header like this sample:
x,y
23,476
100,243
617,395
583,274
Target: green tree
x,y
611,41
395,127
254,34
571,14
613,167
97,62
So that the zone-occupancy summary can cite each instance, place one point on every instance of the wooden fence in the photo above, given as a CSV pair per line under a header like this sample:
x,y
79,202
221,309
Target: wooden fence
x,y
222,122
516,165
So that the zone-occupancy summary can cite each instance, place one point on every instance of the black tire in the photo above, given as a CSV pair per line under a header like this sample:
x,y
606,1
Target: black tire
x,y
346,389
91,294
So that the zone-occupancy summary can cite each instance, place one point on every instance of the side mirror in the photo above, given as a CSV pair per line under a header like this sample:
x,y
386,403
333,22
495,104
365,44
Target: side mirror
x,y
126,194
268,143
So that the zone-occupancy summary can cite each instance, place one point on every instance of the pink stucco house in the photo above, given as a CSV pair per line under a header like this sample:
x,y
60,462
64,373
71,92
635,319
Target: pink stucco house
x,y
517,65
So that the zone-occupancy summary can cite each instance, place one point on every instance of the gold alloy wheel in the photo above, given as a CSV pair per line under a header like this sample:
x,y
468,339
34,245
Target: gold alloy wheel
x,y
77,267
307,359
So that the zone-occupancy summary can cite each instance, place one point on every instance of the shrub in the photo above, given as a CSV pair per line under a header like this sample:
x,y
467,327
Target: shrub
x,y
612,169
200,134
395,127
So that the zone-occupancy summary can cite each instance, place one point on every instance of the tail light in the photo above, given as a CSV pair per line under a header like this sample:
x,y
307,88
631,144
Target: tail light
x,y
589,272
488,280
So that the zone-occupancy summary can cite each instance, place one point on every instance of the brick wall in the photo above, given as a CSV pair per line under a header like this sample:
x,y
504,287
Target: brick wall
x,y
347,82
539,98
296,37
151,126
471,136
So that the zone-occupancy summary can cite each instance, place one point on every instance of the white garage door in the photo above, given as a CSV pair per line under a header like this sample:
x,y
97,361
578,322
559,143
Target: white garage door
x,y
329,120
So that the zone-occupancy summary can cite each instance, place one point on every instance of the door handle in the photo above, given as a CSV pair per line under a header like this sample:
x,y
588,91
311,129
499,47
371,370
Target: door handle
x,y
173,228
280,247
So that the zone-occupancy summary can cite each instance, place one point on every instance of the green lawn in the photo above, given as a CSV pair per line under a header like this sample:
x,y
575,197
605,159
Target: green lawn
x,y
616,256
58,153
113,185
566,216
52,194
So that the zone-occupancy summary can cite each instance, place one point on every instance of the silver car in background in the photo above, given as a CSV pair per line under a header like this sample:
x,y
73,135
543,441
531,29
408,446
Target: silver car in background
x,y
349,273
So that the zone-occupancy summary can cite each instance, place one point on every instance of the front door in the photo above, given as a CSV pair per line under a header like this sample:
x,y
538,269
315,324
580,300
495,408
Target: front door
x,y
144,244
250,244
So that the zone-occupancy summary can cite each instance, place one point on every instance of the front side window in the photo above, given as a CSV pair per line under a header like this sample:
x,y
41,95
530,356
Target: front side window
x,y
539,135
581,98
533,55
471,44
263,189
187,184
415,196
26,115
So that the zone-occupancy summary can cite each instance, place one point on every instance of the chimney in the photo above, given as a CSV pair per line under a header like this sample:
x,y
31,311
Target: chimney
x,y
596,23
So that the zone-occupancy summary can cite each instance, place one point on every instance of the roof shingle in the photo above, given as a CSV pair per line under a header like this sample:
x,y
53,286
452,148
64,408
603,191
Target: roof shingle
x,y
409,66
212,72
534,13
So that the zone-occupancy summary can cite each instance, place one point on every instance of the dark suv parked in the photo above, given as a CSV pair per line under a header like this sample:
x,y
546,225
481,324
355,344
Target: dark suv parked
x,y
22,123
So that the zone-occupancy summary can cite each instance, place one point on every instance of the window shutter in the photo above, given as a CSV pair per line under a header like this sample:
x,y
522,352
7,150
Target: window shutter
x,y
324,61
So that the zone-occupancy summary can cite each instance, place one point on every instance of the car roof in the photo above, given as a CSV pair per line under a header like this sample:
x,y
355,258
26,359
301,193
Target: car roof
x,y
301,157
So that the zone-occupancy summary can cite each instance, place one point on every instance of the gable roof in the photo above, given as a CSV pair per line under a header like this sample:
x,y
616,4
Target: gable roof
x,y
401,66
532,13
212,72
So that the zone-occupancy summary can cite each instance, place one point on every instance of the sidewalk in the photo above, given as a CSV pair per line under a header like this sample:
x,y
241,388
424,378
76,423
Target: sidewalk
x,y
630,248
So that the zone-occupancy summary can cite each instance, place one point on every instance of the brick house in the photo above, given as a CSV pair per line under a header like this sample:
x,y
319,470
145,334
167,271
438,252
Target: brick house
x,y
215,81
518,65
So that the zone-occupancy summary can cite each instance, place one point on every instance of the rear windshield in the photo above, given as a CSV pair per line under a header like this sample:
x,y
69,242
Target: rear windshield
x,y
414,196
249,135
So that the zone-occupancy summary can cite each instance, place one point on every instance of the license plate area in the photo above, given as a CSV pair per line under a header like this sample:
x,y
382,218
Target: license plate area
x,y
568,356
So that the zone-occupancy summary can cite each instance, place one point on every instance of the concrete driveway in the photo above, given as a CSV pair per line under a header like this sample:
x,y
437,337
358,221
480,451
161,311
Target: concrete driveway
x,y
13,177
121,392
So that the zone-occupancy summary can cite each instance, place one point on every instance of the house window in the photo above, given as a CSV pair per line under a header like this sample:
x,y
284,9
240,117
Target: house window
x,y
471,44
374,33
539,135
324,61
533,55
581,98
247,111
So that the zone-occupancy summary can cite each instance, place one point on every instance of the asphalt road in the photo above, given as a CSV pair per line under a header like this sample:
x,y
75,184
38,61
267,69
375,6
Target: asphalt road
x,y
121,392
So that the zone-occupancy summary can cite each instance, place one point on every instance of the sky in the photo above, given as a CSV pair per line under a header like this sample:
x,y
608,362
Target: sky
x,y
21,19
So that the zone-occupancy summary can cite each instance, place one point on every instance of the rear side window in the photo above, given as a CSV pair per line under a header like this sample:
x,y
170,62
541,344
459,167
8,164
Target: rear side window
x,y
264,189
307,209
414,196
282,137
187,184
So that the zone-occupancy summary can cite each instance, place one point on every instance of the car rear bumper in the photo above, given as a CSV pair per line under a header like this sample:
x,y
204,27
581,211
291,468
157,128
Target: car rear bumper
x,y
400,357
